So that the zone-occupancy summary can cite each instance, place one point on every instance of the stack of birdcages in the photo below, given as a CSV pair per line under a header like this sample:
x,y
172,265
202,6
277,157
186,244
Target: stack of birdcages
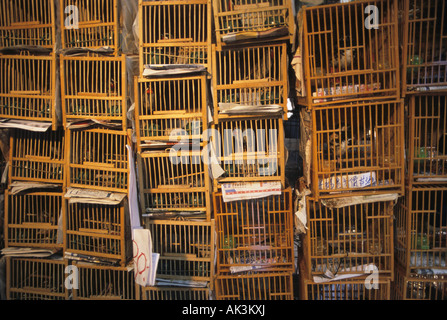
x,y
36,169
421,216
68,185
95,73
28,61
353,148
171,114
254,244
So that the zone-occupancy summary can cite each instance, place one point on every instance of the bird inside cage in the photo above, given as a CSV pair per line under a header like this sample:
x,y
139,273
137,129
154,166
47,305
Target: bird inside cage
x,y
345,55
339,142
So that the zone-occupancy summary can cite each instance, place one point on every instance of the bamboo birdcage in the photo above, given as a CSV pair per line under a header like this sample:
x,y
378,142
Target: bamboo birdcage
x,y
186,248
254,234
174,181
250,149
94,87
36,156
423,286
250,75
351,52
427,138
32,219
35,279
175,293
170,109
352,239
175,32
28,87
27,23
98,159
424,60
255,286
355,289
251,17
98,24
421,229
357,148
98,230
101,282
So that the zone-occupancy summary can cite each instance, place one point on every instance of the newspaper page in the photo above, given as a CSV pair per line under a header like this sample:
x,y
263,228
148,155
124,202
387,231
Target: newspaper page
x,y
250,190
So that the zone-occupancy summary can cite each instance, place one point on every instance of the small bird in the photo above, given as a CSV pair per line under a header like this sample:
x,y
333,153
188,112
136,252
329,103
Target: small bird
x,y
149,100
339,142
344,62
346,54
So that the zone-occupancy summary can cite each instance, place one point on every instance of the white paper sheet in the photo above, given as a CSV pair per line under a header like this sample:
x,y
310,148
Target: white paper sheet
x,y
250,190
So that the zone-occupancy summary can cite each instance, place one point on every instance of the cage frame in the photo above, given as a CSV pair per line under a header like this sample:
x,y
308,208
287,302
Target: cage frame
x,y
307,286
38,159
124,237
403,283
167,293
407,221
32,25
407,25
174,257
86,25
250,156
80,265
394,93
414,136
36,291
251,84
45,226
174,114
92,96
386,223
95,166
30,95
285,246
173,190
257,278
174,43
251,12
317,169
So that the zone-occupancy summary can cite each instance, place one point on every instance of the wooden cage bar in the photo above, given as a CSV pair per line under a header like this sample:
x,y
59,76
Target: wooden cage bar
x,y
427,139
32,219
254,286
249,17
94,87
98,24
186,248
28,87
170,109
36,156
100,282
255,234
424,60
421,229
98,230
98,159
35,279
250,149
250,75
346,290
27,23
351,52
357,148
175,293
175,32
174,181
352,239
420,286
